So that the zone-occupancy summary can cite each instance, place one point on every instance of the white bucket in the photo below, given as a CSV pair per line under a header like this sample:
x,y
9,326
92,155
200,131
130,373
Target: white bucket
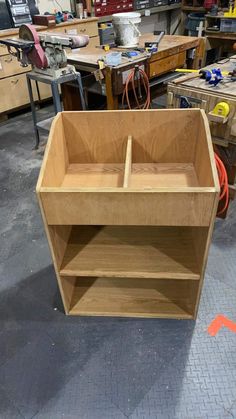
x,y
126,28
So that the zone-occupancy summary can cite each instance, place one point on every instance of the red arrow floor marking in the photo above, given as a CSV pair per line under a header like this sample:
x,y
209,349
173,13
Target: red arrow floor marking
x,y
218,323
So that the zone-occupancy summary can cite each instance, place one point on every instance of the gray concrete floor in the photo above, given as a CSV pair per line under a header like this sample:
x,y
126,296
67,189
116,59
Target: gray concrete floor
x,y
54,367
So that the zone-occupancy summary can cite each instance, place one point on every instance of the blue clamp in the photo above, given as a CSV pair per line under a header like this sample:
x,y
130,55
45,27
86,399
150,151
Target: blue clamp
x,y
216,76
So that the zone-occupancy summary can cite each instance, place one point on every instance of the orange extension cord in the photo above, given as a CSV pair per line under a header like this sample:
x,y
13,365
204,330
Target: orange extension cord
x,y
223,179
144,81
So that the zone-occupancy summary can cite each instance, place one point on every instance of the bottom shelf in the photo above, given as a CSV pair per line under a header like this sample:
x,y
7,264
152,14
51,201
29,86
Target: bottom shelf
x,y
132,297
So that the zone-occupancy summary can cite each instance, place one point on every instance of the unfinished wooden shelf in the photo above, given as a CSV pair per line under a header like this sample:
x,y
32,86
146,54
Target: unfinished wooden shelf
x,y
128,200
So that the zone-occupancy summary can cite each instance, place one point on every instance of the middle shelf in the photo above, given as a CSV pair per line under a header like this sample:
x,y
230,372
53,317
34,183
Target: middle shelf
x,y
133,251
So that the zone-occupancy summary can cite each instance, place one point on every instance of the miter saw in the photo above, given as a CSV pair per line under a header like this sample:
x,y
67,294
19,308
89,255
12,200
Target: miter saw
x,y
45,51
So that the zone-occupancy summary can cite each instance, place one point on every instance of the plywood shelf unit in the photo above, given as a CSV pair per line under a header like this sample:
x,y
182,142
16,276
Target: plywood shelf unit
x,y
128,201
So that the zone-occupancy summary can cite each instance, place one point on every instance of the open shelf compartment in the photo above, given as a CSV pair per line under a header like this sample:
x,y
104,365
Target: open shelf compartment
x,y
130,297
132,251
137,164
164,149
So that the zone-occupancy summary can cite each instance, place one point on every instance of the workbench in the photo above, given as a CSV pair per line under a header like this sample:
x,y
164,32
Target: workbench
x,y
201,94
172,53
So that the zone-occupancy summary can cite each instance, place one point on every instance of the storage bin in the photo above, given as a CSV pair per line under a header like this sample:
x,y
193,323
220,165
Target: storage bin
x,y
228,25
128,200
193,22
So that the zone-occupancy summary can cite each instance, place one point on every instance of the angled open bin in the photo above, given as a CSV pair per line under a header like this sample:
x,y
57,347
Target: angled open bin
x,y
128,200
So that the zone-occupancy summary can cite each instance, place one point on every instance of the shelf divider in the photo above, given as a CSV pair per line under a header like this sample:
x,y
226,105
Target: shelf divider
x,y
128,162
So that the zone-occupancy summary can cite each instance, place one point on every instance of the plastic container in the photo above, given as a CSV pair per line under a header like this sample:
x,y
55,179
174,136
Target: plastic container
x,y
113,58
193,23
228,25
126,28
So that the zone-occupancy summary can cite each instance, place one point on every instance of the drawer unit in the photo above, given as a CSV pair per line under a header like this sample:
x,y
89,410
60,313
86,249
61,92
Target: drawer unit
x,y
45,91
88,28
142,4
3,50
14,92
108,7
9,66
161,66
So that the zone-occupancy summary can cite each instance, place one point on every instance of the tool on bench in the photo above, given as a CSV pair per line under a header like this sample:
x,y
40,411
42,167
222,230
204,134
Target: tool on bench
x,y
45,51
213,76
153,46
130,54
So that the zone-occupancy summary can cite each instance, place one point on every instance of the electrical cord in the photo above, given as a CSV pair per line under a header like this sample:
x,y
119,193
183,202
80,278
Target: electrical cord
x,y
223,179
141,76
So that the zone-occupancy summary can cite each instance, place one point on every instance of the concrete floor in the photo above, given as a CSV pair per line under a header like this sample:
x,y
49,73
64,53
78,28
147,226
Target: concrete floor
x,y
54,367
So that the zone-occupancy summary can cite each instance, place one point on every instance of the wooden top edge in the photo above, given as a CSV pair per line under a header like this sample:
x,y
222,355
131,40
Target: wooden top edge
x,y
127,190
192,111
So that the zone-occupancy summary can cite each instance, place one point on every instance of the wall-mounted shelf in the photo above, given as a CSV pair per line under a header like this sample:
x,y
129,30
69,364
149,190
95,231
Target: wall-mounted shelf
x,y
153,10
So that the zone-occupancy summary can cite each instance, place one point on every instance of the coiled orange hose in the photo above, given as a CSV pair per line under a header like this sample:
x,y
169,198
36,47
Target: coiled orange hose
x,y
131,79
223,179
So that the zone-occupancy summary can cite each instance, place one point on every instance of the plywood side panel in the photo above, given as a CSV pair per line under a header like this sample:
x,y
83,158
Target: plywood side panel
x,y
205,251
55,161
128,208
68,288
57,254
59,236
204,157
100,137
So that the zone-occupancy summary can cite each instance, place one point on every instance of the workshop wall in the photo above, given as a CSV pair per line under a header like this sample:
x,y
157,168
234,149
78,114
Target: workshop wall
x,y
148,24
51,5
158,22
153,22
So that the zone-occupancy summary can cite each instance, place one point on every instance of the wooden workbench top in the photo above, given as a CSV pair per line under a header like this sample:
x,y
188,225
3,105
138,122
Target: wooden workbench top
x,y
170,44
15,31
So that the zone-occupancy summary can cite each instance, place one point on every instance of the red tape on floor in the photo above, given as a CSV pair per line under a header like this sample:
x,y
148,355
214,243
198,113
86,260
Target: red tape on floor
x,y
218,323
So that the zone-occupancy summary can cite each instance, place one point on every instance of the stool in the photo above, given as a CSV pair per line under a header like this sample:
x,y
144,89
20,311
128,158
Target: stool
x,y
54,83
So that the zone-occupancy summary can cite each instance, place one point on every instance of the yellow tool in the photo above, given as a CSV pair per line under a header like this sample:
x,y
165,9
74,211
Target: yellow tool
x,y
232,10
221,109
186,70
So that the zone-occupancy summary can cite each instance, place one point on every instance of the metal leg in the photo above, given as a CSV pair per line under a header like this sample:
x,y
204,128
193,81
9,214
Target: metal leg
x,y
33,110
56,97
81,90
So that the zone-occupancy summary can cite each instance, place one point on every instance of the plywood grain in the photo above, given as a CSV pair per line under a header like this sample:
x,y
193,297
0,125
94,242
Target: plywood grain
x,y
147,252
163,175
129,231
181,206
157,136
132,298
94,175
